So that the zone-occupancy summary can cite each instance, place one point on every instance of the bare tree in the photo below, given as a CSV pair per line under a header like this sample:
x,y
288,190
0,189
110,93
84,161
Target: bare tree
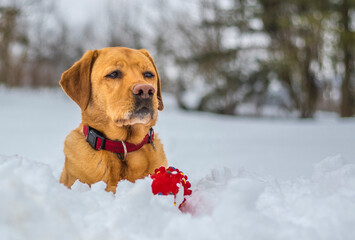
x,y
11,34
346,44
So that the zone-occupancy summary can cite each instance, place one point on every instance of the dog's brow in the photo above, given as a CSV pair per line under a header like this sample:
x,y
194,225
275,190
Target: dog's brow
x,y
120,64
143,65
111,69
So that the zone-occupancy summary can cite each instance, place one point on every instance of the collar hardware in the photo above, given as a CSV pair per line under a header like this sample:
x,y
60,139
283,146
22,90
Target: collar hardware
x,y
92,136
98,141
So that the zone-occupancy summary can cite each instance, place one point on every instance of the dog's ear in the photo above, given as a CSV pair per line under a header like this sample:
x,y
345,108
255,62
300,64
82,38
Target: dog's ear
x,y
76,81
160,99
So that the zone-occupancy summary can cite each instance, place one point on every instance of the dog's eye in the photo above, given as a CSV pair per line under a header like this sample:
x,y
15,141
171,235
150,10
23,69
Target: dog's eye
x,y
114,74
148,74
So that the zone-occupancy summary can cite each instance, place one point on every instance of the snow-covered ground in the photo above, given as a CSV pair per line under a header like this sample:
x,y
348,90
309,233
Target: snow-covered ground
x,y
251,178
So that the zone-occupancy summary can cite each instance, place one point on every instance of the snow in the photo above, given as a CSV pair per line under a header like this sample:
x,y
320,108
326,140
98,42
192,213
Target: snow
x,y
251,179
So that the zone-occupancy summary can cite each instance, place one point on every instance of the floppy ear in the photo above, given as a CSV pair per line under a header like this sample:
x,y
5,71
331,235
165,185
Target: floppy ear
x,y
76,80
160,99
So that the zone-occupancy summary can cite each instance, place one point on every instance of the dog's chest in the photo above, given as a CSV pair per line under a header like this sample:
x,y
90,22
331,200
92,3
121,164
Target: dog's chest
x,y
133,167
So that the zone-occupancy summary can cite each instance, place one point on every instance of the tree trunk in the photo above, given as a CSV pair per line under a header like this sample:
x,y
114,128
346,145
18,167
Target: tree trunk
x,y
309,88
347,100
7,20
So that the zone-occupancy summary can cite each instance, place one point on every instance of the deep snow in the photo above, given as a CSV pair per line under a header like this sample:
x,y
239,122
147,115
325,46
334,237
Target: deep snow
x,y
252,179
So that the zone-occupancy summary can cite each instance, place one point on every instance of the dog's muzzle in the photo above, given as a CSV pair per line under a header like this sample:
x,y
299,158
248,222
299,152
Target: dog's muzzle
x,y
143,96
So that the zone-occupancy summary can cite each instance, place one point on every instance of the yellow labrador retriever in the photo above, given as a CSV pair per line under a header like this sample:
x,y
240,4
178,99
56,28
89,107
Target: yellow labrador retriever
x,y
119,93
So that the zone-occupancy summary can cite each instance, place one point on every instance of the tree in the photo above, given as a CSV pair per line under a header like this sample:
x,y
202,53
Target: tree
x,y
296,31
11,34
222,74
346,45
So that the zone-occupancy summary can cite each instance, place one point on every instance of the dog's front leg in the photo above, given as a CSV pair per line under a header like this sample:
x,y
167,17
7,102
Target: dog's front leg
x,y
84,163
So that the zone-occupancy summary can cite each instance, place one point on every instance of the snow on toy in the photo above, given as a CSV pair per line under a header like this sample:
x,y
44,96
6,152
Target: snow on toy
x,y
171,181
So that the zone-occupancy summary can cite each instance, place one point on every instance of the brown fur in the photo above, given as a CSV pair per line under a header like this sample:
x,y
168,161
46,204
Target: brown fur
x,y
105,104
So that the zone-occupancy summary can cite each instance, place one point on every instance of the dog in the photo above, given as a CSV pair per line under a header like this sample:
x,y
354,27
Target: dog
x,y
119,92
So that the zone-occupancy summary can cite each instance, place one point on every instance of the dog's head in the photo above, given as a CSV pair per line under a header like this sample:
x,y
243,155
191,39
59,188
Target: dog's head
x,y
121,82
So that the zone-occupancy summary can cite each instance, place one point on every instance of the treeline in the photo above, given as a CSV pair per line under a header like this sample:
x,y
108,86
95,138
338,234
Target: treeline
x,y
217,56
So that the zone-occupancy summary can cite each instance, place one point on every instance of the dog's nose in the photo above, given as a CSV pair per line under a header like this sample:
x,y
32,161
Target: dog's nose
x,y
143,91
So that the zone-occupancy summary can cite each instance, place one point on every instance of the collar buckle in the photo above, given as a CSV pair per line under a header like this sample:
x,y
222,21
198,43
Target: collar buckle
x,y
150,135
92,137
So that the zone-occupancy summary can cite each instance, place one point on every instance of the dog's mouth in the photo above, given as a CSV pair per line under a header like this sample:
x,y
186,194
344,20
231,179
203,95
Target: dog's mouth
x,y
142,111
142,114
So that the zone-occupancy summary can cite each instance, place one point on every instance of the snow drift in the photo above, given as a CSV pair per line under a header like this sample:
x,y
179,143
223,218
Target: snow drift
x,y
224,205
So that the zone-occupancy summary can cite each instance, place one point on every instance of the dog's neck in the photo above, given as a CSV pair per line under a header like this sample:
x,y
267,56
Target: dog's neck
x,y
131,133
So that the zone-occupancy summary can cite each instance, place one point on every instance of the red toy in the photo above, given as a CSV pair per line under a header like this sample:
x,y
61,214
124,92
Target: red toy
x,y
168,181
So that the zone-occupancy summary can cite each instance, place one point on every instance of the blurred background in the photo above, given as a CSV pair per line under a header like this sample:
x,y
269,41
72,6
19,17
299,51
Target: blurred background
x,y
260,58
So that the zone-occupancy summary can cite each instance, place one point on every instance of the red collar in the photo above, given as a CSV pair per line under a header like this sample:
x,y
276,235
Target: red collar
x,y
98,141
